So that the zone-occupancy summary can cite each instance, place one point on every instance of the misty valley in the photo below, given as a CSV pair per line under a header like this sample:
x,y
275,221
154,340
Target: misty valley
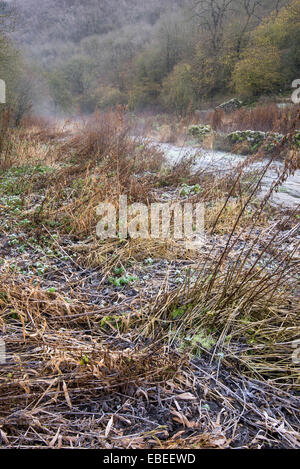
x,y
149,227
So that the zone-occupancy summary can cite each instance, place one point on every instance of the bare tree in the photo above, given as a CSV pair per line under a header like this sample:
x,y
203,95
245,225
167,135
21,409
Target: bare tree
x,y
212,16
279,4
250,9
253,12
215,15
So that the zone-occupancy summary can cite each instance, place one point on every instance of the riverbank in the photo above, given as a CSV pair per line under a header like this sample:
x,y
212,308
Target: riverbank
x,y
220,162
265,128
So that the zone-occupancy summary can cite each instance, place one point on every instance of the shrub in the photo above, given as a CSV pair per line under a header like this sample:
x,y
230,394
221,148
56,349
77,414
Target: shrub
x,y
178,92
259,70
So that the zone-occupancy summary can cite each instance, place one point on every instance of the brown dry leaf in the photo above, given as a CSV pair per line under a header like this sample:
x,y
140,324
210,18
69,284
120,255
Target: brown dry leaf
x,y
59,443
4,437
186,396
67,396
123,419
221,441
54,439
178,434
181,418
24,385
109,426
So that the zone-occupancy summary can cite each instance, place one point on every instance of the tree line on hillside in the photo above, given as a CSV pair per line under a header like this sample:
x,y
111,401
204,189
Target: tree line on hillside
x,y
171,55
13,71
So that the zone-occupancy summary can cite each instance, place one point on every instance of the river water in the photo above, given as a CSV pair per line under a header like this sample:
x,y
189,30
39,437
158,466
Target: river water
x,y
220,162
